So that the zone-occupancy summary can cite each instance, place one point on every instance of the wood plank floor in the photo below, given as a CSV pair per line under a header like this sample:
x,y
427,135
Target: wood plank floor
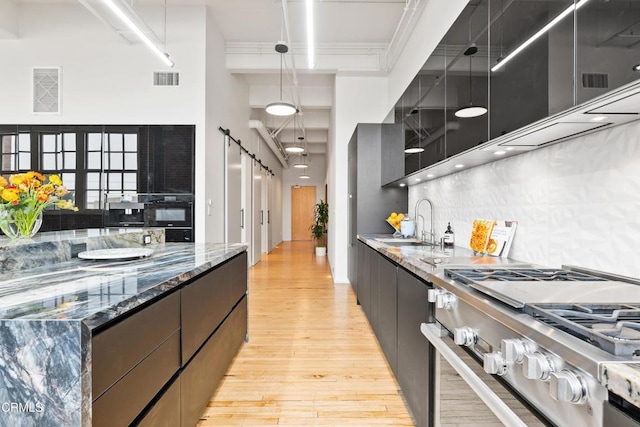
x,y
311,358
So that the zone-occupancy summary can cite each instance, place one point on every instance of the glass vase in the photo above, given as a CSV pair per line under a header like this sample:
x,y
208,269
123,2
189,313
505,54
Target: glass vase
x,y
16,224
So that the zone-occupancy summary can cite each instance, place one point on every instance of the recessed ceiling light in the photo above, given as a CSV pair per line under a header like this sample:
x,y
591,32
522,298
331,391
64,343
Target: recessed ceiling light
x,y
418,180
460,165
402,184
598,118
499,152
430,175
509,148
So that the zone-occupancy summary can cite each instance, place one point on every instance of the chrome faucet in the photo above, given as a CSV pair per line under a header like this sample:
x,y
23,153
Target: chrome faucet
x,y
417,213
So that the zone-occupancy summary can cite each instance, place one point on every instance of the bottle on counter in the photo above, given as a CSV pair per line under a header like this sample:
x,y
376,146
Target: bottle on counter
x,y
449,237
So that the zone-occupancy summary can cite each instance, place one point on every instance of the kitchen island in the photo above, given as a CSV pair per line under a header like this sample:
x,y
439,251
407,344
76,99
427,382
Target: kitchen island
x,y
578,382
111,342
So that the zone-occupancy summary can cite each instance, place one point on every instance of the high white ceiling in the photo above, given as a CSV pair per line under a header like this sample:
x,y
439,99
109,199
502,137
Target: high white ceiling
x,y
352,36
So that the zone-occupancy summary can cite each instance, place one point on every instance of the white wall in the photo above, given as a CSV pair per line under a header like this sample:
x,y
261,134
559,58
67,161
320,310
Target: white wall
x,y
356,100
107,81
316,171
104,80
576,203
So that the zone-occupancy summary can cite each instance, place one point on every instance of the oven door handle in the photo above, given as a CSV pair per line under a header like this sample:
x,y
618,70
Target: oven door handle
x,y
497,406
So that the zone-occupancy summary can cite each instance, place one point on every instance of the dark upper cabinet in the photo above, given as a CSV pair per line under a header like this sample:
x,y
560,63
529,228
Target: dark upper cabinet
x,y
167,159
588,52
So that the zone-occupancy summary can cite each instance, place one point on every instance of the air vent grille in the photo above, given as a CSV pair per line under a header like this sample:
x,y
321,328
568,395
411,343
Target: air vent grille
x,y
166,78
595,80
46,90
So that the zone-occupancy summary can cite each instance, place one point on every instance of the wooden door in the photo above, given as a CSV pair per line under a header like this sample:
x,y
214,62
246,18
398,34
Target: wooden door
x,y
303,200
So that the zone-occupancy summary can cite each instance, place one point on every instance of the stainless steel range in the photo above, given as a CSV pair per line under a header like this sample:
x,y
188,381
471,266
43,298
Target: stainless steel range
x,y
543,332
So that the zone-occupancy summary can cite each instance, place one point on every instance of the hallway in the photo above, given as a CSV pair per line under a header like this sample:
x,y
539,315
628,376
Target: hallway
x,y
311,358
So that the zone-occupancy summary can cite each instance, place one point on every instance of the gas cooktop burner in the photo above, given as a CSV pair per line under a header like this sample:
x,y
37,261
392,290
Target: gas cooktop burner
x,y
470,276
614,328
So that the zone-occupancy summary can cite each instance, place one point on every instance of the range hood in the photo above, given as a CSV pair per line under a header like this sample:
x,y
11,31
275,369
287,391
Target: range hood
x,y
614,108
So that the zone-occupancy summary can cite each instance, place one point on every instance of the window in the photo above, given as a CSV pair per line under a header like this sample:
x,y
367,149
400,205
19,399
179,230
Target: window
x,y
93,184
58,155
15,149
111,165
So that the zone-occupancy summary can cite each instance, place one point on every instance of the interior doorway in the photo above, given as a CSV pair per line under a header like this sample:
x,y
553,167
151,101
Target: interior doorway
x,y
303,200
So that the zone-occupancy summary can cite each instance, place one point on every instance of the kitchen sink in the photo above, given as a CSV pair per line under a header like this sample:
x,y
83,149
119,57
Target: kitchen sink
x,y
397,241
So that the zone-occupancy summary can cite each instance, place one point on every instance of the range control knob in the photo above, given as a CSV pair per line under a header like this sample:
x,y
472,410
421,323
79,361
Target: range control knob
x,y
432,294
446,300
494,363
514,349
566,386
464,336
536,366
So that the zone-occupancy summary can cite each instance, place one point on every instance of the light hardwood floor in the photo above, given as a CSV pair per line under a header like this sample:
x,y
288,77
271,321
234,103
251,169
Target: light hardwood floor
x,y
311,358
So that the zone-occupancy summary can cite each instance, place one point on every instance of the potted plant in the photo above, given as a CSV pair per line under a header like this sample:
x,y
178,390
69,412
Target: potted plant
x,y
319,227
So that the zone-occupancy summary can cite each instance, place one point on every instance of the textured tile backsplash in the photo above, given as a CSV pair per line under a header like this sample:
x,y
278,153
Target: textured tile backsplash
x,y
576,203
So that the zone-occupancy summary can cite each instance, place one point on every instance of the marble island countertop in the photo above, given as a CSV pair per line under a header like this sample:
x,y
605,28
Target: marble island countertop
x,y
621,377
98,291
52,303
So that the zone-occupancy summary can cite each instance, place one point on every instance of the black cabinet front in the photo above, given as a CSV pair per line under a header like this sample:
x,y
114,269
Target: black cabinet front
x,y
413,349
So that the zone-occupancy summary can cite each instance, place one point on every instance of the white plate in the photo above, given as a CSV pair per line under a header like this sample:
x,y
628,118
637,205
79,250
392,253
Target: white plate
x,y
116,253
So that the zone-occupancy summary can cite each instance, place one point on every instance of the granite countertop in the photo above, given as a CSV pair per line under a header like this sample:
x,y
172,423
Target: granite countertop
x,y
95,292
425,260
621,378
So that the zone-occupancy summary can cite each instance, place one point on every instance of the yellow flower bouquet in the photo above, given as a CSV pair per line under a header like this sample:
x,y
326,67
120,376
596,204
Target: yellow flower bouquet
x,y
24,197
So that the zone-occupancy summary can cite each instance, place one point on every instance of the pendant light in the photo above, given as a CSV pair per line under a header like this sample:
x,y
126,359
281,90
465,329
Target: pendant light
x,y
413,150
281,108
296,149
470,110
302,163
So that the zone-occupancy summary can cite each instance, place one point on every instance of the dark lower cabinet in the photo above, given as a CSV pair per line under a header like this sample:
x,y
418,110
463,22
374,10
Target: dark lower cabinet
x,y
374,284
202,375
364,277
160,365
207,301
166,411
387,320
413,348
395,303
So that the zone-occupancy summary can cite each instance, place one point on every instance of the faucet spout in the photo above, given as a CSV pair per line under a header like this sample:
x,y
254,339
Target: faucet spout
x,y
417,213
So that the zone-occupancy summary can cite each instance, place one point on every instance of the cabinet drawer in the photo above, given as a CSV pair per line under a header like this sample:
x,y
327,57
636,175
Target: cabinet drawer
x,y
208,300
166,411
118,349
124,401
202,375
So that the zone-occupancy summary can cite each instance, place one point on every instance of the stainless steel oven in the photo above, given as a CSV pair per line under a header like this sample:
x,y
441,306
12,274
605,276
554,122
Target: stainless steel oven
x,y
528,343
464,394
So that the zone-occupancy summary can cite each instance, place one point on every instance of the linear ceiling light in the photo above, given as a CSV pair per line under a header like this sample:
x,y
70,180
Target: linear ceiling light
x,y
537,35
310,38
138,32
